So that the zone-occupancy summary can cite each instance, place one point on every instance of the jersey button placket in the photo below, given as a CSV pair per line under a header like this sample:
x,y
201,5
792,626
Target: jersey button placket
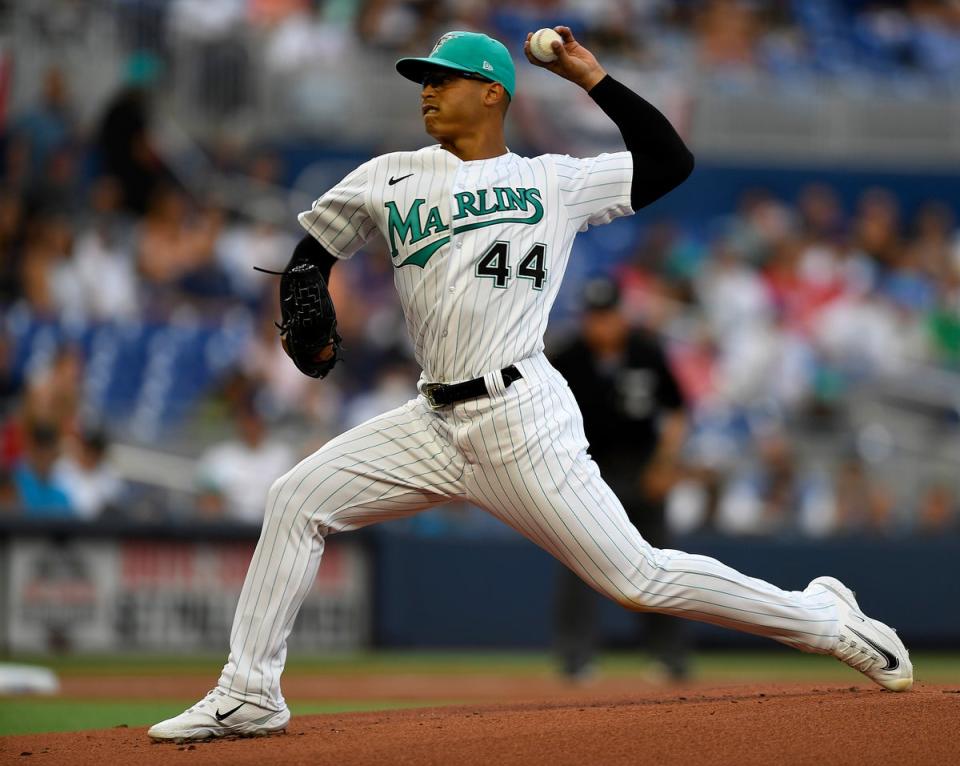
x,y
455,242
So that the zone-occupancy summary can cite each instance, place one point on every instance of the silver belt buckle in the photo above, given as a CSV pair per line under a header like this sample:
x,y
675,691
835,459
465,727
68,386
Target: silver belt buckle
x,y
427,391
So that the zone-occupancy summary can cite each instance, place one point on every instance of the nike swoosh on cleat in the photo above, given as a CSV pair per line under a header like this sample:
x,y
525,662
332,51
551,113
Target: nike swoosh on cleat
x,y
892,662
220,716
391,181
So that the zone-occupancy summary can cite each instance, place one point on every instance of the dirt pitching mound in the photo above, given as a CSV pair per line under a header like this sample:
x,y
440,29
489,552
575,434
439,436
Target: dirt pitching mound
x,y
788,724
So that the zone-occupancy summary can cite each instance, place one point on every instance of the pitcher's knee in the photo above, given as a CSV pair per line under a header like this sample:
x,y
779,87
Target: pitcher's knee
x,y
638,596
273,494
295,495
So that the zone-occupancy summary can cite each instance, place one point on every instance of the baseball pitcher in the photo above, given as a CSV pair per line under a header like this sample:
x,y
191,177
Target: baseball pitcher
x,y
479,238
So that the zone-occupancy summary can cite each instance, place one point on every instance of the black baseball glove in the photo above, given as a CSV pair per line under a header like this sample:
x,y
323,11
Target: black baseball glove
x,y
308,324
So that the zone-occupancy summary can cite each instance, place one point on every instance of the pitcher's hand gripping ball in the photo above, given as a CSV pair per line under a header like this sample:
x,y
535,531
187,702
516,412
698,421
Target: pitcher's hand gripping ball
x,y
308,326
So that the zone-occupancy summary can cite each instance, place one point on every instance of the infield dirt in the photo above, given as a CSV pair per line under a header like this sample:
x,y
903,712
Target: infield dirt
x,y
732,724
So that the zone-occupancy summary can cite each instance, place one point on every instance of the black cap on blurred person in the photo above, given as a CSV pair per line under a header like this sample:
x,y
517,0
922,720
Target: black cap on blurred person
x,y
95,438
601,294
43,435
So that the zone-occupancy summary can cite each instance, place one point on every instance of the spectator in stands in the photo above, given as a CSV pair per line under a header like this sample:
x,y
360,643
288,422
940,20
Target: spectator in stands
x,y
932,242
876,227
937,37
864,505
860,333
655,283
45,267
801,282
127,149
727,32
820,216
253,242
937,513
10,380
235,476
47,126
943,323
307,41
270,12
760,223
732,294
398,25
907,286
8,492
39,493
11,232
206,280
770,492
54,392
176,247
103,267
221,76
56,191
86,476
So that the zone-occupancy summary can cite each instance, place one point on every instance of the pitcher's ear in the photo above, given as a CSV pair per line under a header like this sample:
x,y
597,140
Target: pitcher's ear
x,y
495,94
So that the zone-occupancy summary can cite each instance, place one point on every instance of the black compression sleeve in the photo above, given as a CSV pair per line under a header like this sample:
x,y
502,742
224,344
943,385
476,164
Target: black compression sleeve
x,y
661,161
308,250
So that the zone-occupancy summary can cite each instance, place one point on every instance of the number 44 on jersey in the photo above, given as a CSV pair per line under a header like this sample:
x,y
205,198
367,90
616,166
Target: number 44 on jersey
x,y
495,264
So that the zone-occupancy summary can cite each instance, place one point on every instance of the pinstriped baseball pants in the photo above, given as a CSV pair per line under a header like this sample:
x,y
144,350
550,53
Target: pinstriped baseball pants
x,y
520,454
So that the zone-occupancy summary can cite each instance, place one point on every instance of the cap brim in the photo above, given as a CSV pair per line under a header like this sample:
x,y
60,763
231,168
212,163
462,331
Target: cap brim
x,y
415,68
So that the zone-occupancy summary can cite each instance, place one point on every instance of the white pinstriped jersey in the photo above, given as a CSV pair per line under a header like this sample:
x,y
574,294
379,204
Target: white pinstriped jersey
x,y
479,248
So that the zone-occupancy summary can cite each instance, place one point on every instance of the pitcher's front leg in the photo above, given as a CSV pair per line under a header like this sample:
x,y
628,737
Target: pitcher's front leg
x,y
392,466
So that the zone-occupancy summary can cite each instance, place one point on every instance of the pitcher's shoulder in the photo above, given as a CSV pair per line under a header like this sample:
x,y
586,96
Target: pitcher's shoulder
x,y
398,163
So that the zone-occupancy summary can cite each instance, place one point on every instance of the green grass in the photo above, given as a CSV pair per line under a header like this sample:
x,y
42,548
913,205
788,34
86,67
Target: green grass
x,y
26,715
35,716
935,667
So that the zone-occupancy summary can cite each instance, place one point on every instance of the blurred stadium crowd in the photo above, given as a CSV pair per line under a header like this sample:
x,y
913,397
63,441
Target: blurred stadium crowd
x,y
134,329
788,38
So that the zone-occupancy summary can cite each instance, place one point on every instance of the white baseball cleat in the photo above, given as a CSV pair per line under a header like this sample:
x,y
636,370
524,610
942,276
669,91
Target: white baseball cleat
x,y
220,715
868,645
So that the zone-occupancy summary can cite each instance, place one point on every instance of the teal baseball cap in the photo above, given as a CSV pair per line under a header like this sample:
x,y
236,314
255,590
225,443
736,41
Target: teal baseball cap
x,y
465,52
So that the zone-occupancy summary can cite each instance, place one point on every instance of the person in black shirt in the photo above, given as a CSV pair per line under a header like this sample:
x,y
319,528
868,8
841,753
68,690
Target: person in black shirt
x,y
634,418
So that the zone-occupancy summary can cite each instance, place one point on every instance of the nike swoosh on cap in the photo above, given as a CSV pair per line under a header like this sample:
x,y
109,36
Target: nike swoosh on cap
x,y
892,662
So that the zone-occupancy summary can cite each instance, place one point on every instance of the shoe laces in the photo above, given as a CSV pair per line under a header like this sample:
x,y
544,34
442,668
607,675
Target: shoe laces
x,y
856,655
209,698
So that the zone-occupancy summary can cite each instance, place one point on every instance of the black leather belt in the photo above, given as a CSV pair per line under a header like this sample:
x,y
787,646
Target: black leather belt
x,y
444,394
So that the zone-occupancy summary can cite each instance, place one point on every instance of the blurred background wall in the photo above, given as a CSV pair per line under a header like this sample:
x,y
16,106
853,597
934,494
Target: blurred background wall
x,y
805,282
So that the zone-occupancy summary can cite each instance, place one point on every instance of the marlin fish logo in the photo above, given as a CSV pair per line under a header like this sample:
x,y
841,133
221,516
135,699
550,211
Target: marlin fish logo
x,y
443,39
411,228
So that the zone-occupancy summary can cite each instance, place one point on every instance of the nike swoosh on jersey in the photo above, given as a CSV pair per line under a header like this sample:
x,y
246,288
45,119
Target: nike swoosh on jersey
x,y
391,181
220,716
892,662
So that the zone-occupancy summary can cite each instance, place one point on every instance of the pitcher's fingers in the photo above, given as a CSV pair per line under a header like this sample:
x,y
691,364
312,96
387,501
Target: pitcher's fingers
x,y
530,57
562,56
566,34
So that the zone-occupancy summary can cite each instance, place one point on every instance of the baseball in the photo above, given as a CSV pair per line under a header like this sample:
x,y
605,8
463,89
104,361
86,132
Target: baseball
x,y
541,44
